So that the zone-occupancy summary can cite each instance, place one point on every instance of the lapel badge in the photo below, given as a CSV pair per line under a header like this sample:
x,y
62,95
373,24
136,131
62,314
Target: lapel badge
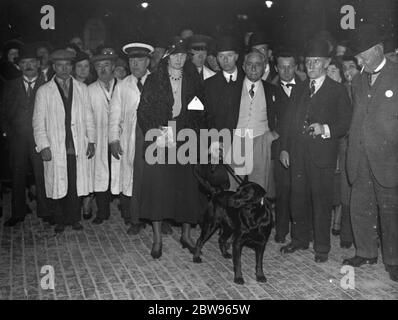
x,y
389,93
273,98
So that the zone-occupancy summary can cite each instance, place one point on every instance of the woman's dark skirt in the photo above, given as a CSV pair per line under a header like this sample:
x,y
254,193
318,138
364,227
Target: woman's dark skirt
x,y
171,191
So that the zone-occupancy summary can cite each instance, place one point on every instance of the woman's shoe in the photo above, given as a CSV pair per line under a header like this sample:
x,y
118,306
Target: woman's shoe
x,y
335,232
156,254
185,244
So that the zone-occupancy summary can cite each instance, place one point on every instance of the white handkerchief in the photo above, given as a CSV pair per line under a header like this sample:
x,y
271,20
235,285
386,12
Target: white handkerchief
x,y
196,104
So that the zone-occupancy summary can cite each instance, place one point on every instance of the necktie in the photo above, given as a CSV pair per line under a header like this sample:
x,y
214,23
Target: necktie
x,y
312,88
230,79
139,84
29,92
65,87
370,77
251,91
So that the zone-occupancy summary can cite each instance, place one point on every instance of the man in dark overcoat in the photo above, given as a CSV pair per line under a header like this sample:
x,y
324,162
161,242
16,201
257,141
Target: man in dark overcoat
x,y
321,116
19,98
372,158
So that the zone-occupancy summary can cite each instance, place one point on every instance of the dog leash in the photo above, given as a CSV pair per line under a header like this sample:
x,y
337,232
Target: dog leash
x,y
238,179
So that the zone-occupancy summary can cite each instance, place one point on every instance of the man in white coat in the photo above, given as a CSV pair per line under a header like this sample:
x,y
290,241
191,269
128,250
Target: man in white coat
x,y
198,46
100,93
122,127
64,134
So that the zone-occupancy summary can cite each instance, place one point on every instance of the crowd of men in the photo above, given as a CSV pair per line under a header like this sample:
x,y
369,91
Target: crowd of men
x,y
323,123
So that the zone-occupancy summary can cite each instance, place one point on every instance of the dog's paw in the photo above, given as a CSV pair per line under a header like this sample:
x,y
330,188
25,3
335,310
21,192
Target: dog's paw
x,y
239,280
197,259
261,278
227,255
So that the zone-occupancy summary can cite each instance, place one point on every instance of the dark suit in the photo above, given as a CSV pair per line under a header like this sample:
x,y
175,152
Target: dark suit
x,y
18,125
313,160
223,106
372,164
282,174
223,102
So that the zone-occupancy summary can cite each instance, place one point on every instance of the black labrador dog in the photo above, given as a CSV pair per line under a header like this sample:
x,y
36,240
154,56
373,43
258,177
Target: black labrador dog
x,y
244,215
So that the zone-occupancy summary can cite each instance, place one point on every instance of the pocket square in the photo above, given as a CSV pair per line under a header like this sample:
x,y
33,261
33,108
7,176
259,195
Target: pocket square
x,y
196,104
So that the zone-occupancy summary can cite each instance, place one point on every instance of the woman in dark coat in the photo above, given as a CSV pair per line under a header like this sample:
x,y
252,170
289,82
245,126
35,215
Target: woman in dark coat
x,y
170,191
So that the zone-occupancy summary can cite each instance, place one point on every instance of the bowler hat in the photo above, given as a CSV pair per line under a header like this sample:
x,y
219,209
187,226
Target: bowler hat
x,y
138,50
28,51
227,43
258,38
62,54
317,48
365,37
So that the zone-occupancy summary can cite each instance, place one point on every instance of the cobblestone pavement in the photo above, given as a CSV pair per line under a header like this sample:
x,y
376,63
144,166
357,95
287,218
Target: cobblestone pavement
x,y
103,262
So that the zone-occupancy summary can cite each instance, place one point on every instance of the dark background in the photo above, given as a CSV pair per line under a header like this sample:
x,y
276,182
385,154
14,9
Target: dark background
x,y
292,21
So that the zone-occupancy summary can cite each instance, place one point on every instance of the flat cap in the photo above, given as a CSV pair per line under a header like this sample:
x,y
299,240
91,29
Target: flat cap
x,y
62,54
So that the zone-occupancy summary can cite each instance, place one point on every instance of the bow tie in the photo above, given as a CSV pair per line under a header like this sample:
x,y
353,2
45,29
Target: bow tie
x,y
288,85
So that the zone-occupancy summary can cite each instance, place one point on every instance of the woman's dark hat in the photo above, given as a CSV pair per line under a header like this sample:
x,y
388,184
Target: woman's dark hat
x,y
176,45
81,56
317,48
365,37
107,53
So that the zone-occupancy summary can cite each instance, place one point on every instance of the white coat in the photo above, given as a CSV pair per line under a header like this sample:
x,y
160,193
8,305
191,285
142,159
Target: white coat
x,y
49,131
100,109
207,73
122,123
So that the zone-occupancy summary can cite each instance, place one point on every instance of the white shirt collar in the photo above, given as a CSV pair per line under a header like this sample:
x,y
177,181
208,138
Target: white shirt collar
x,y
143,78
111,83
249,84
318,82
32,80
381,65
234,74
293,81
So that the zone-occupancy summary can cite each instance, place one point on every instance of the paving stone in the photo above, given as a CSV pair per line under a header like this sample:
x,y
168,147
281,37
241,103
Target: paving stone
x,y
103,262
